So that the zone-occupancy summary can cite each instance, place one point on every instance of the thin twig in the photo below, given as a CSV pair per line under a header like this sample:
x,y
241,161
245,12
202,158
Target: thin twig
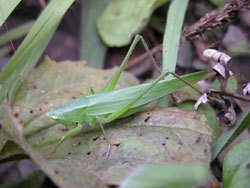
x,y
232,94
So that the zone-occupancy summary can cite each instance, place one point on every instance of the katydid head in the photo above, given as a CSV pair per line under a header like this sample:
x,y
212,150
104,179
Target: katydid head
x,y
58,116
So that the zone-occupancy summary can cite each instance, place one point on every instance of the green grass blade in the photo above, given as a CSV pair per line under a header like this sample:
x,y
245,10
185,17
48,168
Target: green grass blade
x,y
175,18
16,33
228,137
89,36
25,58
170,175
176,13
6,7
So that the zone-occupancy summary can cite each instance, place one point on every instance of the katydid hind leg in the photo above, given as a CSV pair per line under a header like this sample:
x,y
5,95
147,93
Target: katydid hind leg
x,y
112,83
153,61
129,104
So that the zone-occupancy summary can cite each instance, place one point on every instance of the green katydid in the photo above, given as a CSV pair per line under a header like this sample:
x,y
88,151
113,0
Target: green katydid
x,y
108,106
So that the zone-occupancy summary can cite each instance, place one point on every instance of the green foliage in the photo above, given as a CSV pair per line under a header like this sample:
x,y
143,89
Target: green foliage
x,y
219,3
236,166
122,19
91,10
175,18
6,7
169,176
228,137
232,84
25,58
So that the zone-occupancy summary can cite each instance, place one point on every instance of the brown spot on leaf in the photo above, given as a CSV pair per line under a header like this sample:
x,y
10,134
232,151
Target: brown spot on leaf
x,y
96,138
47,156
31,111
166,138
88,153
79,143
56,171
198,140
117,144
163,144
248,166
16,115
173,158
180,143
69,153
146,120
64,129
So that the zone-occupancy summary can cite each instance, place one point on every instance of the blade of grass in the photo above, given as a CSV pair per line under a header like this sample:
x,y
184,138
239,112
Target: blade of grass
x,y
6,7
89,36
16,33
25,58
175,18
228,137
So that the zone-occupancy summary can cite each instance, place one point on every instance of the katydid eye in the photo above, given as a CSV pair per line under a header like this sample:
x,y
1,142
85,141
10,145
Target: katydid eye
x,y
54,117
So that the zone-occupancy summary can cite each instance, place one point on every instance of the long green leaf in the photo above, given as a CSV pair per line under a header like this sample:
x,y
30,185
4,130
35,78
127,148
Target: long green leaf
x,y
89,36
228,137
176,13
175,17
31,49
6,7
234,167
